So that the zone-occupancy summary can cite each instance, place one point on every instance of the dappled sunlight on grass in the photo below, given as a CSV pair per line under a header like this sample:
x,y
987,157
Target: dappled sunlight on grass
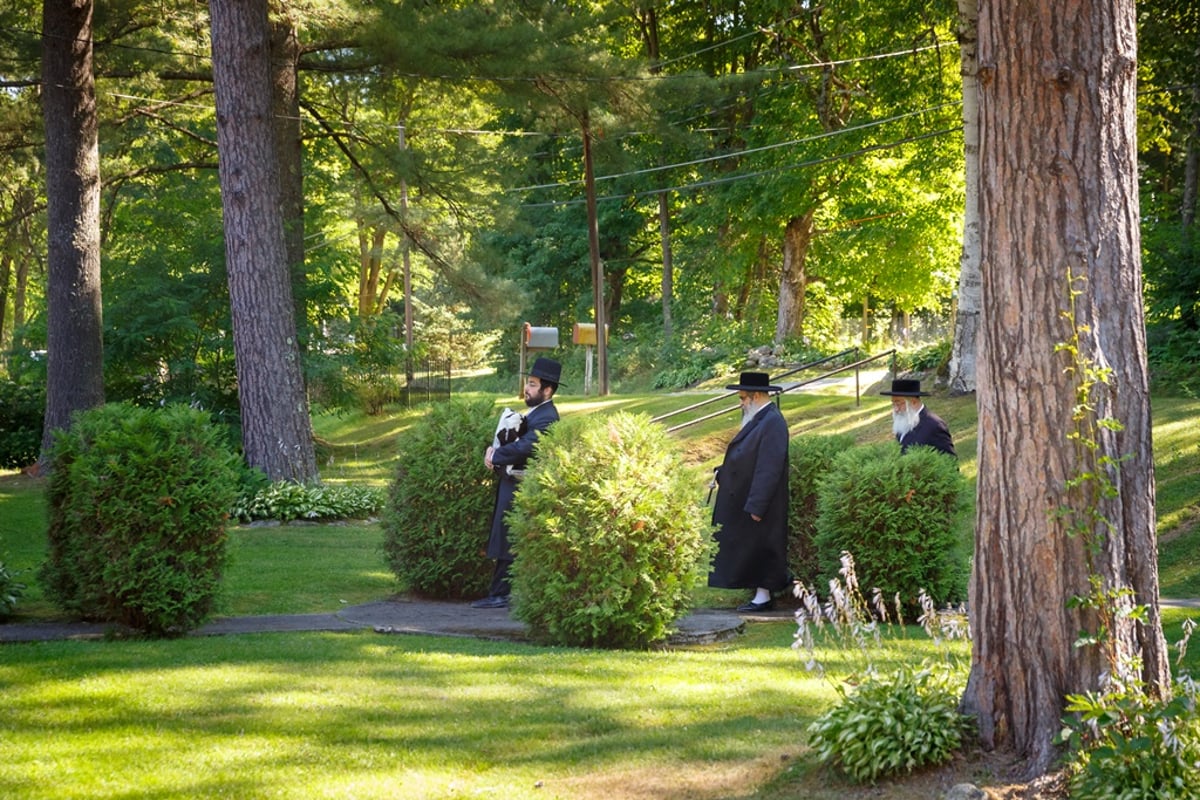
x,y
395,713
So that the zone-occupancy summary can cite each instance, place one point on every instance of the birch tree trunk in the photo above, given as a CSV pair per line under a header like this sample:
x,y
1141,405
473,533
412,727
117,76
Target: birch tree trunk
x,y
74,329
276,428
963,353
1059,215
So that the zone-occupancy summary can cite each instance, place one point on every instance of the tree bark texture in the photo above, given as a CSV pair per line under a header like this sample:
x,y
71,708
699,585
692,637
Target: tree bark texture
x,y
964,351
285,98
276,429
797,236
74,329
1059,198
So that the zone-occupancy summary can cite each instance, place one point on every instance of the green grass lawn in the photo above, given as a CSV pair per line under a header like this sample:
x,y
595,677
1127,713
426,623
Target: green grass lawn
x,y
364,715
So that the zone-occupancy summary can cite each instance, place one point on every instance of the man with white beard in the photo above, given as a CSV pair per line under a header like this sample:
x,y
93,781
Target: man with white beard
x,y
913,423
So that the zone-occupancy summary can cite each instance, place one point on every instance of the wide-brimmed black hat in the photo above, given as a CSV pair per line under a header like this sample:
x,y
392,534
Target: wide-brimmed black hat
x,y
548,370
906,387
754,382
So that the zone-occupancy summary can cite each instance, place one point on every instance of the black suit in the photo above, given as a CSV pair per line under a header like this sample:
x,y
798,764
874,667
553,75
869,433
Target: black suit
x,y
931,431
514,454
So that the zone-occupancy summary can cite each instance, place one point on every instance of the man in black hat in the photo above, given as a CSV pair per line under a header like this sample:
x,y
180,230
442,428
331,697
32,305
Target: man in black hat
x,y
508,461
752,499
913,423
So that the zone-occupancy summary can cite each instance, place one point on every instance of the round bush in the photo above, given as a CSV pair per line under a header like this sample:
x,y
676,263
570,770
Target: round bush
x,y
901,517
609,533
440,503
809,459
138,502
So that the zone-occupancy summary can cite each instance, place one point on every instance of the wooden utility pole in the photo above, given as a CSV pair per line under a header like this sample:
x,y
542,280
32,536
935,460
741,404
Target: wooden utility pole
x,y
589,182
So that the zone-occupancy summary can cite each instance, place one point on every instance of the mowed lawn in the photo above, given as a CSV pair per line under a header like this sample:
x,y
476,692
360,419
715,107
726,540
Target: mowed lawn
x,y
366,715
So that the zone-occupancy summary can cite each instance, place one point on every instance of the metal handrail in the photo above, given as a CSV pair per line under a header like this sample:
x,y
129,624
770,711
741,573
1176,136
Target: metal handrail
x,y
857,388
702,403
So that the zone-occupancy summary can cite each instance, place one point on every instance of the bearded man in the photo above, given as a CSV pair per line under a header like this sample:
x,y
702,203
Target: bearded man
x,y
751,511
507,457
913,423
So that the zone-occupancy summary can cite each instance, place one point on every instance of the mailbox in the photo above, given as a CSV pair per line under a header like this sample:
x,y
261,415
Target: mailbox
x,y
585,333
540,338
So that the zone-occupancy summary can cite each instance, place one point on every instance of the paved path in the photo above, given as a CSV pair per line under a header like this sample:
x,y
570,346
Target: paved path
x,y
397,615
400,615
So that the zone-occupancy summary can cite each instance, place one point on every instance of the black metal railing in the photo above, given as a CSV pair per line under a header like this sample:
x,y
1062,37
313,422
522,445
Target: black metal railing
x,y
427,380
856,366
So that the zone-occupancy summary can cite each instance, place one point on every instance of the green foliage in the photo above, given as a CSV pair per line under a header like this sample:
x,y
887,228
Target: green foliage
x,y
893,725
360,363
11,590
717,348
1172,268
138,500
21,407
932,358
1128,745
809,458
440,502
286,501
608,533
901,516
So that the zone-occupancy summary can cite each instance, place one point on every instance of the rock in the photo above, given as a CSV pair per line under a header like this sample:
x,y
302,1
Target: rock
x,y
965,791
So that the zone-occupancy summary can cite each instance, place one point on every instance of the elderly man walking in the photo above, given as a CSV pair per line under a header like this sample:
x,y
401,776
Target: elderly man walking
x,y
752,499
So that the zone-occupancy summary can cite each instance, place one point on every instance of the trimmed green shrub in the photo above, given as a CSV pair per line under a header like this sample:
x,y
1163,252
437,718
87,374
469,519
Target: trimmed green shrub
x,y
440,503
809,458
902,518
138,501
609,534
21,408
287,500
893,725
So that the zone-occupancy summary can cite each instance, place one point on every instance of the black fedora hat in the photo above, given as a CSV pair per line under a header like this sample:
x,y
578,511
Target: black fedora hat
x,y
547,369
754,382
906,387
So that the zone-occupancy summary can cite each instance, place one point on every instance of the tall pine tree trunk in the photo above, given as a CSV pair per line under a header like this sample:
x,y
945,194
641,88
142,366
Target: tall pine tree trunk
x,y
1059,199
276,429
285,100
74,331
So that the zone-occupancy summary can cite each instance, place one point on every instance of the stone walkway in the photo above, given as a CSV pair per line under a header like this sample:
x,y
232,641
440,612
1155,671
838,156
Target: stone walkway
x,y
398,615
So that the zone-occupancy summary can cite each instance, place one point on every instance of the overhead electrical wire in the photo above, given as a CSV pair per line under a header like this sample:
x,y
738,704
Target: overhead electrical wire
x,y
751,175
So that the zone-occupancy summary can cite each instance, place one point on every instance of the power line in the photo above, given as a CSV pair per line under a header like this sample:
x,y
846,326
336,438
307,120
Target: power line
x,y
741,153
750,175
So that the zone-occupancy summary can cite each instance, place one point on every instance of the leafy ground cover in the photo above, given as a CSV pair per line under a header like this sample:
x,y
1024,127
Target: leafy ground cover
x,y
365,715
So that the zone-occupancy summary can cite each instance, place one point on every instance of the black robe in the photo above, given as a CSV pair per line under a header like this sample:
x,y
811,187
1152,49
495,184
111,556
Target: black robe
x,y
753,479
931,431
514,454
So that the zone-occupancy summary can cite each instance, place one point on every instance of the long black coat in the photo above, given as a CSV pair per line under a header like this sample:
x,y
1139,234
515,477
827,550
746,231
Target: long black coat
x,y
514,454
931,431
753,479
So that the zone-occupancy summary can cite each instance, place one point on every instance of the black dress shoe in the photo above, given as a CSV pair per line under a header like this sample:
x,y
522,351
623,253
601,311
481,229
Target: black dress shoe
x,y
495,601
751,607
